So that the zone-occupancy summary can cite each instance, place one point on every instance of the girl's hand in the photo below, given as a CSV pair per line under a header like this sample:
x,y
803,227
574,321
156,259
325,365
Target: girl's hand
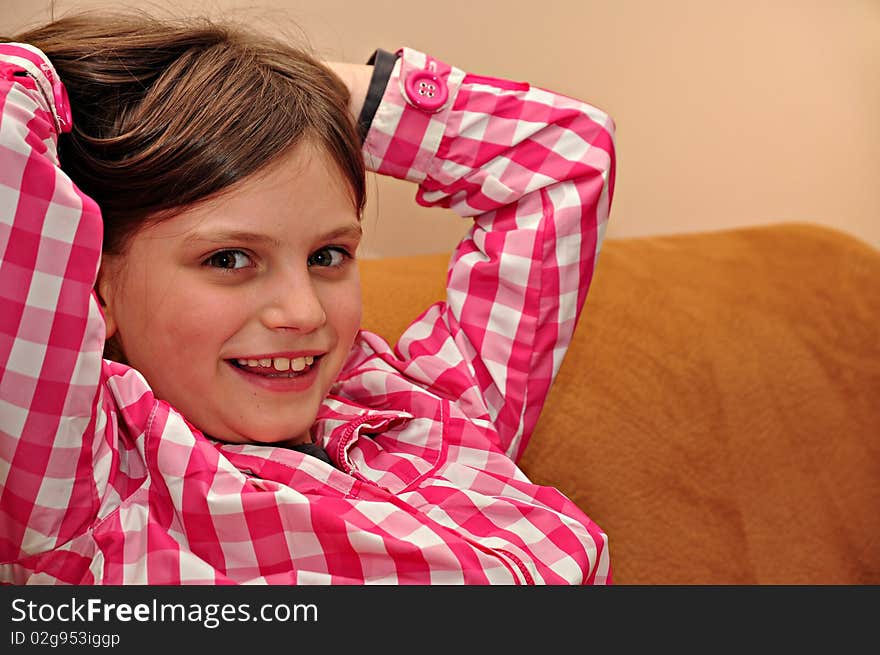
x,y
357,79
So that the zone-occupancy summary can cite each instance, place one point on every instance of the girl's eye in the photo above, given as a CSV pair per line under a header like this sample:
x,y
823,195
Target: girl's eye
x,y
229,259
329,257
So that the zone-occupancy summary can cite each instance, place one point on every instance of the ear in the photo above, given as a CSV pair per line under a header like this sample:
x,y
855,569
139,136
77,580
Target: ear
x,y
105,289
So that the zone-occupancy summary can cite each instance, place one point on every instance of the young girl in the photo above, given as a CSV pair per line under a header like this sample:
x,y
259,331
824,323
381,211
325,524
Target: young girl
x,y
186,395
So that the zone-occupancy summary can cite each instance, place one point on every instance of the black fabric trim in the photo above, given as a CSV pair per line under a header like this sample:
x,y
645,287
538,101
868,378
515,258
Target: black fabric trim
x,y
314,450
382,62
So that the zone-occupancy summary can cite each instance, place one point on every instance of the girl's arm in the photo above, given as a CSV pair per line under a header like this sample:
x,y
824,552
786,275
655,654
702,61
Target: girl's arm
x,y
535,171
51,331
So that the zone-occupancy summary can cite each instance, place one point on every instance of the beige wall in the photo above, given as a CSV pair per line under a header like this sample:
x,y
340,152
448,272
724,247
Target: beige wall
x,y
727,113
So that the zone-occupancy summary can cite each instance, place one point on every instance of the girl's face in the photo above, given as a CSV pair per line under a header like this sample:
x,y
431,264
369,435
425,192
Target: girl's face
x,y
240,312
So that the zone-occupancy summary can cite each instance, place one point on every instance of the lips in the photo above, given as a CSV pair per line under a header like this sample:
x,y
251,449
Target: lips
x,y
268,378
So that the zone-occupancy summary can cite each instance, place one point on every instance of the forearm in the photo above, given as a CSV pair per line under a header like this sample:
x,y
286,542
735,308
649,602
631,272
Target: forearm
x,y
51,328
535,170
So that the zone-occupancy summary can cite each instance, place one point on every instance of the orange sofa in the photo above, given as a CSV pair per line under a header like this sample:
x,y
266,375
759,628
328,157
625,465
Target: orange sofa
x,y
718,413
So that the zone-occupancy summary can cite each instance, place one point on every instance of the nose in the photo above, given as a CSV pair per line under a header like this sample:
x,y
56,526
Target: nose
x,y
292,302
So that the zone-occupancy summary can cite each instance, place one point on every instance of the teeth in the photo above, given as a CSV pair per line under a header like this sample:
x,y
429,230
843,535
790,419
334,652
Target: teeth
x,y
279,363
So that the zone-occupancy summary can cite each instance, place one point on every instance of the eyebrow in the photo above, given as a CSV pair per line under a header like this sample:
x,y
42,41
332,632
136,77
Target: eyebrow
x,y
352,231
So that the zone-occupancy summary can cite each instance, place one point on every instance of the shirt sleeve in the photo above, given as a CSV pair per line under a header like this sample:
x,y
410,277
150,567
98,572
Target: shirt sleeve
x,y
382,62
535,171
51,329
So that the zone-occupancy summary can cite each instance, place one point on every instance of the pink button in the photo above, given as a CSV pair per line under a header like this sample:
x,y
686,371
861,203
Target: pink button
x,y
426,90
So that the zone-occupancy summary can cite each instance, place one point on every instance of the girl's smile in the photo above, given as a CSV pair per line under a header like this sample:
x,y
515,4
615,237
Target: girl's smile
x,y
241,311
279,373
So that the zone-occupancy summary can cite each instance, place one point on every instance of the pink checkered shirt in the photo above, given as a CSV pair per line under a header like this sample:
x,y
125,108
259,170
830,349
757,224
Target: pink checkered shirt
x,y
102,483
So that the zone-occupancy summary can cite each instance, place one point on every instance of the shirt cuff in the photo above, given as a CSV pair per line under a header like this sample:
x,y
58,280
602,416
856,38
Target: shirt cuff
x,y
32,61
383,63
408,128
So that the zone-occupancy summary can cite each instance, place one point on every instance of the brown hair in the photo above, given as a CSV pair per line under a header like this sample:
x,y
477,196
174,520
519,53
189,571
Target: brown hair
x,y
168,113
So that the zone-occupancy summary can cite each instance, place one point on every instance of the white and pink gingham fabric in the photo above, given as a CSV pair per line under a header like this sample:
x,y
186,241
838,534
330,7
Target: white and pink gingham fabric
x,y
101,483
